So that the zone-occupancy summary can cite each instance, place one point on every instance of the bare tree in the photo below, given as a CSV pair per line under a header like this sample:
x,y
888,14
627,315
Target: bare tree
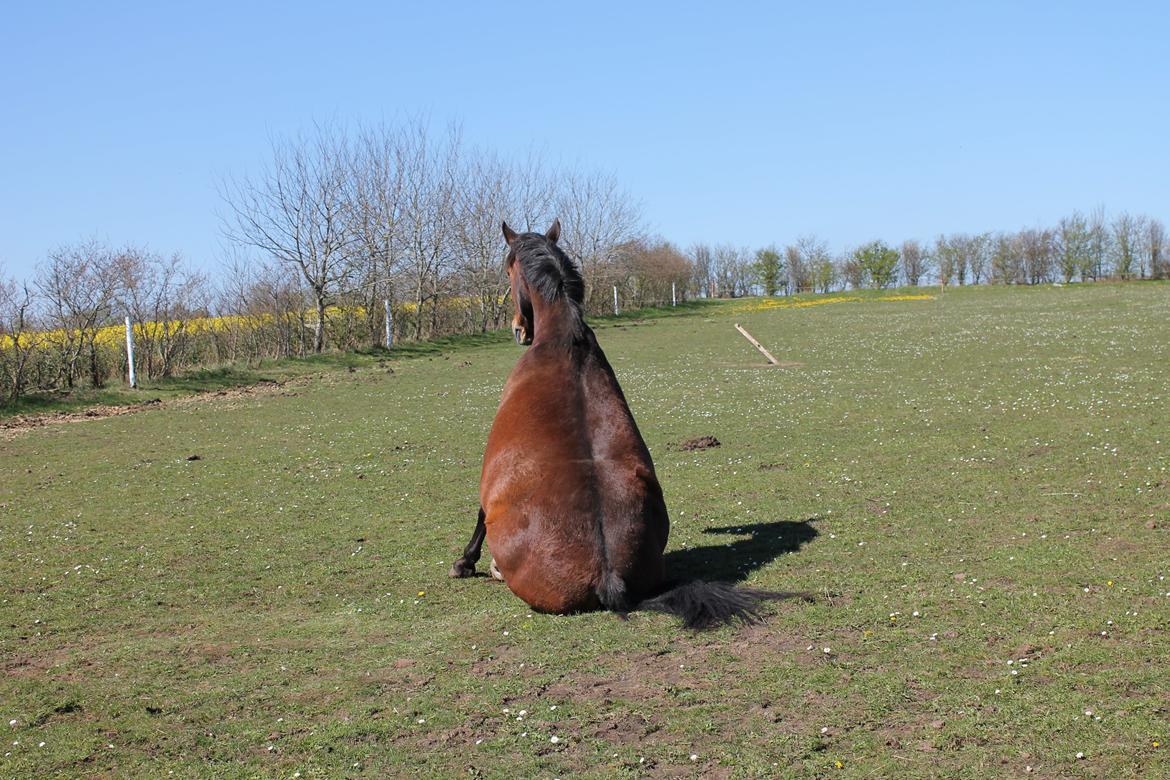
x,y
531,194
17,336
651,267
851,270
960,256
375,220
978,253
964,255
733,270
1036,246
702,271
1126,235
598,217
482,198
1141,245
1072,237
80,286
794,270
163,297
430,182
915,263
1100,245
945,257
807,255
296,212
267,302
1006,259
824,273
1156,247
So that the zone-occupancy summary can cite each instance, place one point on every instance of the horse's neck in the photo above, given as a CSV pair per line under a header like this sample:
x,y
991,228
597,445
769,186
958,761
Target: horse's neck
x,y
559,322
567,334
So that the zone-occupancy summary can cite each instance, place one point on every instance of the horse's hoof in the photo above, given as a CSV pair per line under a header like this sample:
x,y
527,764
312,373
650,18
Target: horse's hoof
x,y
495,570
461,569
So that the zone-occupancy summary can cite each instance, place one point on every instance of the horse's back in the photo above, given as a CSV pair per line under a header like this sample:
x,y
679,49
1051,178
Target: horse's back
x,y
568,489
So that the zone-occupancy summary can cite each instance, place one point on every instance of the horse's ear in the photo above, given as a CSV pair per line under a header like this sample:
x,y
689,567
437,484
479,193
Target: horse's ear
x,y
509,233
554,232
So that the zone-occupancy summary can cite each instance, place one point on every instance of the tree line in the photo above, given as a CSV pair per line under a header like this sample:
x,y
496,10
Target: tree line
x,y
1079,248
338,225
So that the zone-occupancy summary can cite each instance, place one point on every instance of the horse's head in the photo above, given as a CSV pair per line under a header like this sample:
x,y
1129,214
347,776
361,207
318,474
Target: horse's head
x,y
522,320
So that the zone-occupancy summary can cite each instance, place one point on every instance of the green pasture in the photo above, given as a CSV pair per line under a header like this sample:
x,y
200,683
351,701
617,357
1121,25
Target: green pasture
x,y
254,584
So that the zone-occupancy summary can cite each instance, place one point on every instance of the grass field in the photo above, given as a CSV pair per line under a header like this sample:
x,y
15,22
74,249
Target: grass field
x,y
974,485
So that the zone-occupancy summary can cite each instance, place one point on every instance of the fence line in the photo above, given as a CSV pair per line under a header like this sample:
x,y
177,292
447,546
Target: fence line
x,y
128,351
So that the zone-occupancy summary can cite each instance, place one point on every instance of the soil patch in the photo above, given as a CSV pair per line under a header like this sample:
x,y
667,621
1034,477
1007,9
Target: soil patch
x,y
699,443
20,424
11,427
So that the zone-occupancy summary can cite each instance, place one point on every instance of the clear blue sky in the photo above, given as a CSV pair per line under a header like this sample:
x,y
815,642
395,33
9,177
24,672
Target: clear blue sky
x,y
746,123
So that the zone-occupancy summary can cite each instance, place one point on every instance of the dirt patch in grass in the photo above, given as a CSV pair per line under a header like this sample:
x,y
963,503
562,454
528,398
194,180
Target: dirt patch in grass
x,y
28,666
643,677
11,427
262,388
659,676
699,443
625,728
18,425
60,663
399,678
502,661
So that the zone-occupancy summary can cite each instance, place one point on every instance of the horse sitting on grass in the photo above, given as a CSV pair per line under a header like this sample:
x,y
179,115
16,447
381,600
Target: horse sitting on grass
x,y
569,501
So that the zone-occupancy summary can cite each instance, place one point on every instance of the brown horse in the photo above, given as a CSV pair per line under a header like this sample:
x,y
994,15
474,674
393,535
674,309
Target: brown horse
x,y
569,501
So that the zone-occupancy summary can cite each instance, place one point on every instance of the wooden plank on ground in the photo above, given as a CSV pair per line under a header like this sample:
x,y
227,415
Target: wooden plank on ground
x,y
757,345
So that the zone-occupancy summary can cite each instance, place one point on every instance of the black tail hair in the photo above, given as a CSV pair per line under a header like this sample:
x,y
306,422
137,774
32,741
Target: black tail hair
x,y
611,592
705,605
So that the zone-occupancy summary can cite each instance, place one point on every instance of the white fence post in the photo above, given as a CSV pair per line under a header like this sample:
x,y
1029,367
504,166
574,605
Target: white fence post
x,y
130,353
615,306
389,324
673,295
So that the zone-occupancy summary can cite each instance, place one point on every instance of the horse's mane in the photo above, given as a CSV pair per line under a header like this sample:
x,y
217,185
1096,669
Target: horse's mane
x,y
549,271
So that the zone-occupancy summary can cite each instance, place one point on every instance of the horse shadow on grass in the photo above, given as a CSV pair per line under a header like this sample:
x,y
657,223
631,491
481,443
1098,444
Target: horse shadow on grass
x,y
735,561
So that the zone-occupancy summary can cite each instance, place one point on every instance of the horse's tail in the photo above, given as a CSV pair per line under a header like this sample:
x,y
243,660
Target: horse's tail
x,y
704,605
611,592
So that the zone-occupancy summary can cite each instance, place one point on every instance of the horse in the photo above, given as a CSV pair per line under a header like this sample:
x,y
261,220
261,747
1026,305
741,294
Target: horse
x,y
570,504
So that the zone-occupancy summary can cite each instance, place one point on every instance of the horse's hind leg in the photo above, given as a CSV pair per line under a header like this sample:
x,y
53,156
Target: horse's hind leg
x,y
465,566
